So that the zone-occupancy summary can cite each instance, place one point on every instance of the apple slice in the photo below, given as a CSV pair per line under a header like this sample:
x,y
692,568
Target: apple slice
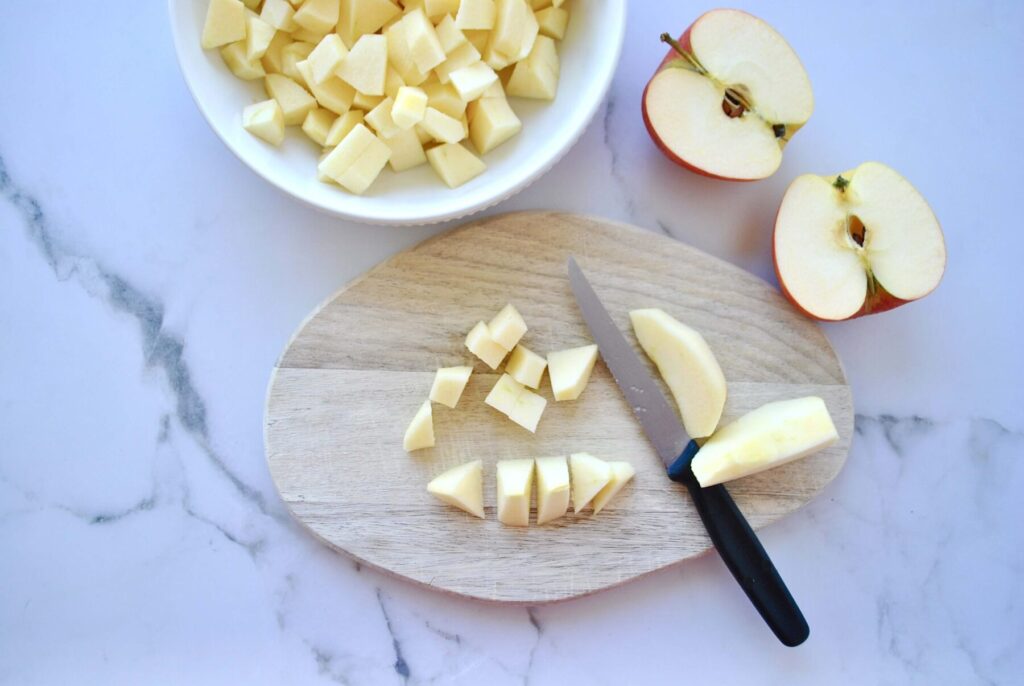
x,y
449,382
513,400
589,476
569,371
526,366
507,327
861,242
514,483
771,435
687,365
420,433
728,97
461,486
552,488
622,473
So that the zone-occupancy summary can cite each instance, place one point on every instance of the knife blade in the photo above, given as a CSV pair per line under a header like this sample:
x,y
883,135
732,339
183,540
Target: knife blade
x,y
730,532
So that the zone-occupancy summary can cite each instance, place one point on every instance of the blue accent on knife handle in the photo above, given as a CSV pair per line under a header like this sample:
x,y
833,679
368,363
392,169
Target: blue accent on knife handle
x,y
743,553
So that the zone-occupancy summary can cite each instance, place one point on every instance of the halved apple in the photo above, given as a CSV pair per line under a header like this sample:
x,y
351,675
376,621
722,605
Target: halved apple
x,y
771,435
461,486
687,365
857,243
728,97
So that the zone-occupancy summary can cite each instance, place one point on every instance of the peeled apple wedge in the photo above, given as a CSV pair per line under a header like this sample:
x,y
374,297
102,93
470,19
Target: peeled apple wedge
x,y
622,473
461,486
589,476
552,488
687,365
515,484
569,371
420,433
449,382
771,435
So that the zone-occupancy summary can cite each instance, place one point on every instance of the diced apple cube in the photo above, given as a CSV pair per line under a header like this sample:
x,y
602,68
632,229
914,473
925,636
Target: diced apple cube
x,y
589,476
225,23
569,371
537,75
333,94
360,17
308,36
472,81
400,55
422,135
526,366
240,65
479,39
317,125
442,127
365,66
475,14
438,8
461,486
357,160
772,435
258,36
454,164
294,100
445,99
507,327
326,57
552,22
279,14
449,382
552,488
480,343
409,108
503,395
265,120
392,83
424,45
462,56
380,119
515,29
528,409
273,58
291,55
449,35
622,472
318,16
514,485
342,126
491,123
420,433
366,102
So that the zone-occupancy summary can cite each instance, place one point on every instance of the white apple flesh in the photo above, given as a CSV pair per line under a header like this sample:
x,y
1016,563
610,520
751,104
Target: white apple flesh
x,y
860,242
728,97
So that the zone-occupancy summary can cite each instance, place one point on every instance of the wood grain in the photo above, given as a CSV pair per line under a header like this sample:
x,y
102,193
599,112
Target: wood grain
x,y
354,374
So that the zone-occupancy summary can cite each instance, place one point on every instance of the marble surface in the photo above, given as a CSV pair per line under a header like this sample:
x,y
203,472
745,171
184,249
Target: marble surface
x,y
148,281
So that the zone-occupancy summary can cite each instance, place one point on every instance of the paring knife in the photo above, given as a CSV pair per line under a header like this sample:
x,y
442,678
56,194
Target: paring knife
x,y
736,542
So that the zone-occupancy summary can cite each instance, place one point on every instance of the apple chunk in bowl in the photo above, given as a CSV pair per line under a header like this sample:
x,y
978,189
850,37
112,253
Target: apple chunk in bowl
x,y
588,53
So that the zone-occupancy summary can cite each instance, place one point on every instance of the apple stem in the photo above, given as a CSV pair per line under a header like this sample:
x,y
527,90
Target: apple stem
x,y
841,183
685,54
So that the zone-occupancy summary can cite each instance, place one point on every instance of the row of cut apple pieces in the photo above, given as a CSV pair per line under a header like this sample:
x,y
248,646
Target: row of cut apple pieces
x,y
569,372
425,74
594,482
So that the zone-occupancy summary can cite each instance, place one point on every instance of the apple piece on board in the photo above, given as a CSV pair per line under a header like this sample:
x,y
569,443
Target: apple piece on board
x,y
449,382
507,327
687,366
461,486
504,393
515,483
861,242
772,435
526,366
225,23
527,410
569,371
480,343
728,97
589,476
552,488
420,433
622,472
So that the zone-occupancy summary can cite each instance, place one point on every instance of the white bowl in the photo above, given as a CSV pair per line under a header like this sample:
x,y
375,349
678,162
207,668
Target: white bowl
x,y
589,55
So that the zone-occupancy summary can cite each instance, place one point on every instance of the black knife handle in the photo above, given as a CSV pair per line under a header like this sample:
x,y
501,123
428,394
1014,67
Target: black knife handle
x,y
743,553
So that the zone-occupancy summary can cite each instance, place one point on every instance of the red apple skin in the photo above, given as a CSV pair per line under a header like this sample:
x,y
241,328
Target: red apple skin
x,y
880,301
684,43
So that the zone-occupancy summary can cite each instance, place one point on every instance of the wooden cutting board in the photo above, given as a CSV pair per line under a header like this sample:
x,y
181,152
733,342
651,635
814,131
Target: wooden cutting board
x,y
355,373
